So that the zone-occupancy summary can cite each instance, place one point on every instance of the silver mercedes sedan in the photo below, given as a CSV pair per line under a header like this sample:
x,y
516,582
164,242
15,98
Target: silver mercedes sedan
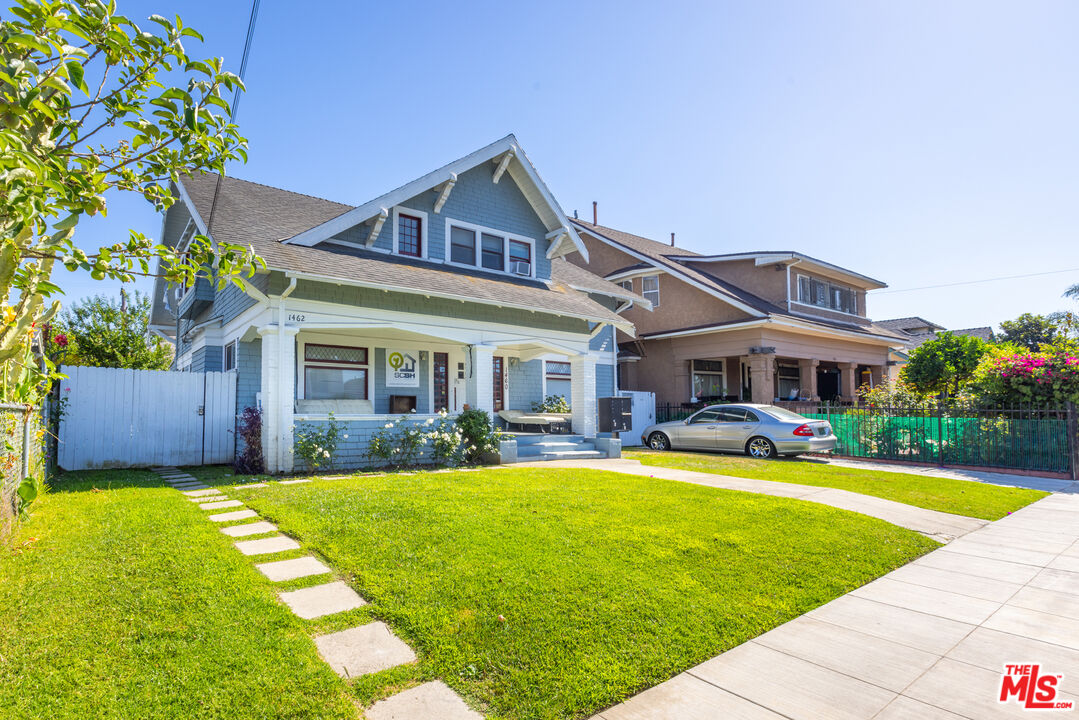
x,y
760,431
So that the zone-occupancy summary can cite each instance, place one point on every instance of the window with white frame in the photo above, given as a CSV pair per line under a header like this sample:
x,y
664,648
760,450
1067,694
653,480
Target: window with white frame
x,y
558,374
788,382
487,249
650,289
709,379
334,372
228,360
626,285
823,294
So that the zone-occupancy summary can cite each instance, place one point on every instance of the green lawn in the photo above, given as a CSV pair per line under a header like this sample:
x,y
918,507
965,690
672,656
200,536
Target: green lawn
x,y
961,497
125,602
556,593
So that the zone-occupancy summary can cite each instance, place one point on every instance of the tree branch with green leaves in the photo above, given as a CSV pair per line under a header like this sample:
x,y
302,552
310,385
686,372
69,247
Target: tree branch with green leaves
x,y
88,104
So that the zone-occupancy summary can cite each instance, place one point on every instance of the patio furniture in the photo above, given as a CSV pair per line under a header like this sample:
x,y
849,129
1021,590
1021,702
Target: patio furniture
x,y
542,422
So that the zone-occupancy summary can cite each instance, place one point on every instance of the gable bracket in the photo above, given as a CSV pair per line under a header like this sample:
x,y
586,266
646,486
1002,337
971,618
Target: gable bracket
x,y
556,237
376,227
502,165
445,194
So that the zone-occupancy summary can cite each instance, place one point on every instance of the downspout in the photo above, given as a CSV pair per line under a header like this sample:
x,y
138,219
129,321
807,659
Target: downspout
x,y
280,364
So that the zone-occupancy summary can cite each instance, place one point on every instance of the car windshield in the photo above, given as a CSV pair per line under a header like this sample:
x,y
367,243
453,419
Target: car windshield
x,y
782,414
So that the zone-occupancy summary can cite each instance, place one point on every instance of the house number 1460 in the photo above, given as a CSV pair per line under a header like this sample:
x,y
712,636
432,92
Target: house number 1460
x,y
296,318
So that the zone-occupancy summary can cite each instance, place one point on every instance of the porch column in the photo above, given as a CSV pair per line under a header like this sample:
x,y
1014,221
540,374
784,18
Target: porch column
x,y
762,378
876,374
807,373
582,373
278,396
479,392
848,381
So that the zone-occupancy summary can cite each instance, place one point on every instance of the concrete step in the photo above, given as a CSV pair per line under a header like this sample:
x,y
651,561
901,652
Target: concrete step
x,y
547,448
572,455
523,440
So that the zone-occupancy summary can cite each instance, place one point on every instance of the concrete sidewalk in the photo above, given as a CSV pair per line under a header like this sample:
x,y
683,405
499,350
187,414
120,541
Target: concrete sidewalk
x,y
1032,482
927,641
938,525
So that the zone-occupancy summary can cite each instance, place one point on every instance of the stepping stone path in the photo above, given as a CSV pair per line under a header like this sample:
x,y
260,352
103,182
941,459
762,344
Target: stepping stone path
x,y
282,570
351,653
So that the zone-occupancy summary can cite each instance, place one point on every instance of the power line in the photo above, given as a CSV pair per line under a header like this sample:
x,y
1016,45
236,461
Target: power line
x,y
975,282
235,103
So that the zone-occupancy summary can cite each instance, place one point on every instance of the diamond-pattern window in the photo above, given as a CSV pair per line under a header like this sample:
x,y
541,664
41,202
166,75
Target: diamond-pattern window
x,y
335,354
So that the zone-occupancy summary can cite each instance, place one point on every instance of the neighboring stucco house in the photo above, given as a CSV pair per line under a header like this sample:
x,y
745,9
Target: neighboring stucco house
x,y
755,326
450,290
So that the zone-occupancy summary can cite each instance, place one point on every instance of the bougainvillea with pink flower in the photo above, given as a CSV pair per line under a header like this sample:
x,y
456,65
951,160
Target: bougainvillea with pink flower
x,y
1044,378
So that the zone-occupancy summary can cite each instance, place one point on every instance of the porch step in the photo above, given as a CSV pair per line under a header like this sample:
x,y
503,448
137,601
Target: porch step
x,y
537,449
540,439
568,455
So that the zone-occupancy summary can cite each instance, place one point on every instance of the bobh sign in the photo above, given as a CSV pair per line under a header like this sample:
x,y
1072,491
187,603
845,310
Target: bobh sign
x,y
1032,689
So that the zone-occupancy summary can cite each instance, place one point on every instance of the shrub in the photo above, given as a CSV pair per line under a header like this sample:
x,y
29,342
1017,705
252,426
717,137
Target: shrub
x,y
317,446
552,404
898,395
478,437
447,441
1048,378
399,442
250,461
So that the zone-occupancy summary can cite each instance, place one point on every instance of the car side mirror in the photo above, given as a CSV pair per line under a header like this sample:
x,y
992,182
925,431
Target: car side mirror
x,y
686,421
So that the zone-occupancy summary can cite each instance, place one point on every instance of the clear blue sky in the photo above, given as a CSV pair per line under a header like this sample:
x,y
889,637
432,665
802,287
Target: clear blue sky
x,y
919,143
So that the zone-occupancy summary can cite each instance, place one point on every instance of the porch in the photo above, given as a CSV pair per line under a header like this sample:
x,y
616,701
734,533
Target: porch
x,y
366,374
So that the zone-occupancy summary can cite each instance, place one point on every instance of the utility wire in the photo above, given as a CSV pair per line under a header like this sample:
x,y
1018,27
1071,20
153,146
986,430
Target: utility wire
x,y
235,103
975,282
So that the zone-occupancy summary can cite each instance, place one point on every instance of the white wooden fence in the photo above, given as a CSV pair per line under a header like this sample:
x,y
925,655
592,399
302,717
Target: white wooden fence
x,y
117,418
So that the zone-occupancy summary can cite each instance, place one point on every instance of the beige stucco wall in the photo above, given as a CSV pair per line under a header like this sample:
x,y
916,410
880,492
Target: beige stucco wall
x,y
765,282
665,371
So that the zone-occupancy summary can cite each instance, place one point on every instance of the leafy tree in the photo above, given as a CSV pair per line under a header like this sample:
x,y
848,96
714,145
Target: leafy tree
x,y
85,108
1031,331
106,332
941,366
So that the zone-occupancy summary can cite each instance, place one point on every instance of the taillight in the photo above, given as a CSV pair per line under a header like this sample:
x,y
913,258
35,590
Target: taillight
x,y
803,431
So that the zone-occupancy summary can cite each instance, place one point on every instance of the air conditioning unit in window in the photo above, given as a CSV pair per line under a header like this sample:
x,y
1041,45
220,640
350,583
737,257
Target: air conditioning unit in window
x,y
521,268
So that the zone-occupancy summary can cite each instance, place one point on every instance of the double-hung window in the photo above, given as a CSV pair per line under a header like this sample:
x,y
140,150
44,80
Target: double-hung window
x,y
228,361
520,252
494,252
650,289
462,246
829,296
709,379
335,372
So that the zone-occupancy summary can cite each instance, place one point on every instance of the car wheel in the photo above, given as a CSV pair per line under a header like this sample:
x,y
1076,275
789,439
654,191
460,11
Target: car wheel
x,y
659,441
760,448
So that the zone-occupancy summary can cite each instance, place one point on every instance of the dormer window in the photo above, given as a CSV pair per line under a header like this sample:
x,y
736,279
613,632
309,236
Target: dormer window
x,y
409,235
829,296
520,258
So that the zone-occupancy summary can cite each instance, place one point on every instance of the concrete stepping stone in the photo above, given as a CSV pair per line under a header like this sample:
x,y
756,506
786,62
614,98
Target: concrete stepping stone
x,y
431,701
194,494
207,498
282,570
265,546
235,515
249,485
364,650
188,484
179,476
294,482
255,528
221,504
320,600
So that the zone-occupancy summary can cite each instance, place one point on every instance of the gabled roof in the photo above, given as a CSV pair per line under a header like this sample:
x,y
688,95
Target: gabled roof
x,y
256,215
655,253
512,159
908,322
672,260
769,257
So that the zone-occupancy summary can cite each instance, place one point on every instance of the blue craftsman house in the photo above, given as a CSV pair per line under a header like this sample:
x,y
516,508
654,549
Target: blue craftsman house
x,y
451,290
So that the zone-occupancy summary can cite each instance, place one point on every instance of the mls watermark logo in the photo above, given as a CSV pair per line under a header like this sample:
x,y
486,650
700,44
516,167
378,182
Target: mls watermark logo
x,y
1032,689
401,369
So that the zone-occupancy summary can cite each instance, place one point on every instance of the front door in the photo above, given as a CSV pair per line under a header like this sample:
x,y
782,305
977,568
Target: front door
x,y
828,384
441,380
459,386
498,383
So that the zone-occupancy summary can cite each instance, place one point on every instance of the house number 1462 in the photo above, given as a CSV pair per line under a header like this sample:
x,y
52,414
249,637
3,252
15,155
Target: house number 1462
x,y
293,317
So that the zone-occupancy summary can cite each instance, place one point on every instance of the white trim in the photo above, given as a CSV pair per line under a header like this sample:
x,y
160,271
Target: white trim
x,y
502,165
829,284
316,338
676,271
782,322
541,199
398,211
624,326
234,344
655,303
617,277
769,258
480,230
191,209
444,195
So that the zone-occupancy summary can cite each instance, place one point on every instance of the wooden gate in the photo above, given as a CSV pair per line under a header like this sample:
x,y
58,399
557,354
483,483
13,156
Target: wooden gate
x,y
117,418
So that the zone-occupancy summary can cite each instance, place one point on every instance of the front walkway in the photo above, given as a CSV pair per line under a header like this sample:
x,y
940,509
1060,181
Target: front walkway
x,y
1032,482
927,641
938,525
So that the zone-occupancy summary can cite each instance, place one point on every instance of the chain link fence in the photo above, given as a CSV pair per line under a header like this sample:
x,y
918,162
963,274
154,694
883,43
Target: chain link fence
x,y
21,432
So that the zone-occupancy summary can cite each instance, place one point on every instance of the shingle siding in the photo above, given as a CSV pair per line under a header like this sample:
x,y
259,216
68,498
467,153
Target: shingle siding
x,y
382,393
248,374
474,199
206,359
525,384
605,377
